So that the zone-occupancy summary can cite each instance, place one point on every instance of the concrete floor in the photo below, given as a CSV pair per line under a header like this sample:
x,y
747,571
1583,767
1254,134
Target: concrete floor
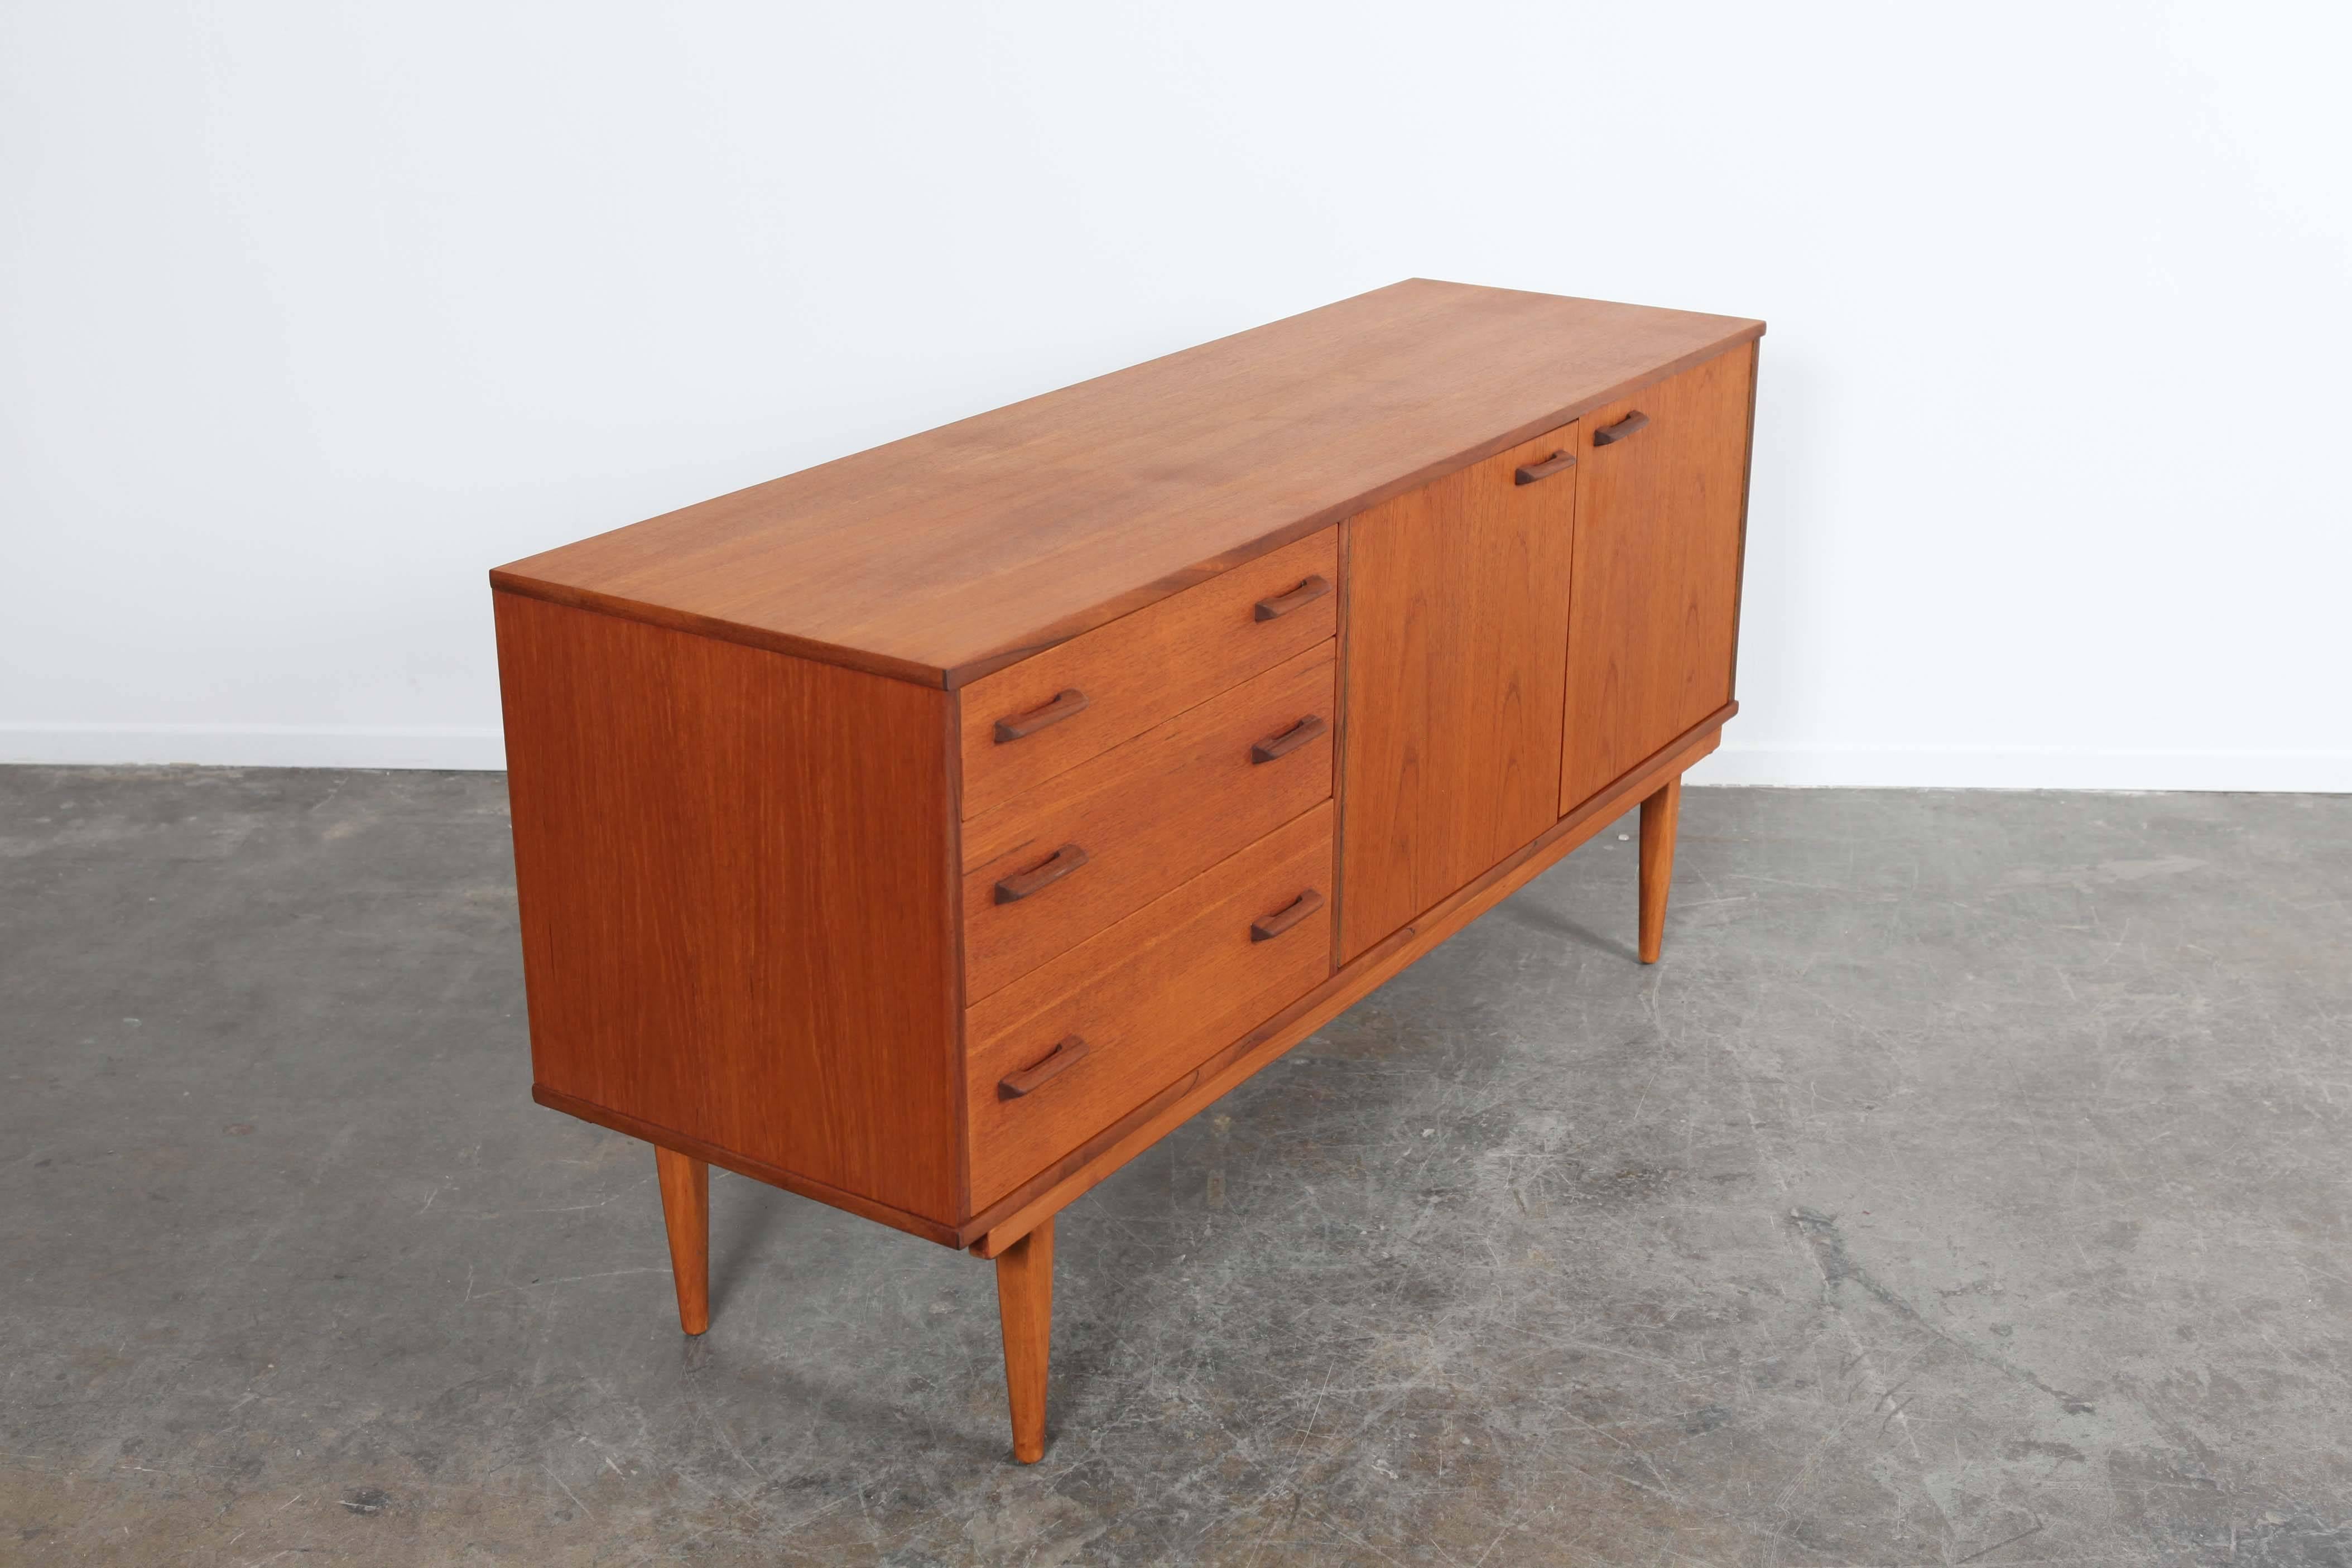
x,y
1971,1184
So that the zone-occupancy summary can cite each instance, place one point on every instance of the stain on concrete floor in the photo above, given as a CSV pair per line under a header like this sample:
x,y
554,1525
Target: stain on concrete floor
x,y
1970,1183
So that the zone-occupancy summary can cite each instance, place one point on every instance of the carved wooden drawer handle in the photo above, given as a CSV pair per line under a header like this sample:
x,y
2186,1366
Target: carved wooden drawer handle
x,y
1632,425
1062,1057
1281,605
1064,705
1290,741
1281,920
1015,888
1529,473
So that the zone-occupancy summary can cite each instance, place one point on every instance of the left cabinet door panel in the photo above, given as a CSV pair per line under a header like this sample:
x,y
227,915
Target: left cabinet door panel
x,y
1454,662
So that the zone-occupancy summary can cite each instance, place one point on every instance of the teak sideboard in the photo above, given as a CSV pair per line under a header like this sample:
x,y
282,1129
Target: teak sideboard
x,y
931,832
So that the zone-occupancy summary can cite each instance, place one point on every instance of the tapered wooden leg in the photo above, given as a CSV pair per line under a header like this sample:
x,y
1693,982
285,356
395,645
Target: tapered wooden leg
x,y
1025,1302
1658,813
686,1207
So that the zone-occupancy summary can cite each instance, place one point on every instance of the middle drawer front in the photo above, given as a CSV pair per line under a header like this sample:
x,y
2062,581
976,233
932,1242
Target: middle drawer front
x,y
1055,867
1132,1009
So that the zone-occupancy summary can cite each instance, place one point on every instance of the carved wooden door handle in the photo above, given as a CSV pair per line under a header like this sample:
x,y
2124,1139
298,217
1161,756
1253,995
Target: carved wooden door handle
x,y
1633,424
1527,474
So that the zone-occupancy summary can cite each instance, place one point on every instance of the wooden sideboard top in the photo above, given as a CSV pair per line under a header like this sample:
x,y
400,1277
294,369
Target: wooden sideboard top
x,y
948,555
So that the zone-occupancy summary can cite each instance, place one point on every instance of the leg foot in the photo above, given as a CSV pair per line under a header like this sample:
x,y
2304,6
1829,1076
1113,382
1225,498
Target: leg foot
x,y
1658,813
686,1207
1025,1302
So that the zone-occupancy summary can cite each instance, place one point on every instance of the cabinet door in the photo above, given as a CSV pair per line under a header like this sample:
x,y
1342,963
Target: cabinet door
x,y
1655,611
1454,654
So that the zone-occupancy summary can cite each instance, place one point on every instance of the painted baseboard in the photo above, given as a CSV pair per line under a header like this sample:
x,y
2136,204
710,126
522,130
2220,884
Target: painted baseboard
x,y
257,745
1826,766
2026,767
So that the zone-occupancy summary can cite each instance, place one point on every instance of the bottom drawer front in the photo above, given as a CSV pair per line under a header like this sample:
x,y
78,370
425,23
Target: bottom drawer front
x,y
1130,1010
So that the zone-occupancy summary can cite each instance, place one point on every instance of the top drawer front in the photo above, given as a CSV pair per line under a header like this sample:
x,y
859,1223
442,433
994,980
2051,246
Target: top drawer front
x,y
1142,668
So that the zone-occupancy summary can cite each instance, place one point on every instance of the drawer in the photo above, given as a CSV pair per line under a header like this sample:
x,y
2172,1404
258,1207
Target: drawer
x,y
1031,720
1145,1001
1094,845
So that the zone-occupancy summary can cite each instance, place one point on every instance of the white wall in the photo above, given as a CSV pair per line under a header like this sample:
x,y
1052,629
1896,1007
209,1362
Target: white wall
x,y
314,312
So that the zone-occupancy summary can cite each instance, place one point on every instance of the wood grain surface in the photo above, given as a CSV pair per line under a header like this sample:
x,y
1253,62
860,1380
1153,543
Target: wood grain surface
x,y
1653,619
737,898
1151,814
940,557
1457,645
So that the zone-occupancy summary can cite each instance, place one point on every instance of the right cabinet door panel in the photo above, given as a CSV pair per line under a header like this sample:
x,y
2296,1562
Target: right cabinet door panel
x,y
1654,611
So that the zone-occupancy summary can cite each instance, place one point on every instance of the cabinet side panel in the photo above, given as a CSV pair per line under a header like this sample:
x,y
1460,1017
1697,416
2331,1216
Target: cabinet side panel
x,y
1655,615
1747,487
738,894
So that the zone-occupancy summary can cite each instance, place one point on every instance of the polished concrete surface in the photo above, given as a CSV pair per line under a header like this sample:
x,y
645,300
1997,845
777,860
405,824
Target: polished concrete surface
x,y
1972,1183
